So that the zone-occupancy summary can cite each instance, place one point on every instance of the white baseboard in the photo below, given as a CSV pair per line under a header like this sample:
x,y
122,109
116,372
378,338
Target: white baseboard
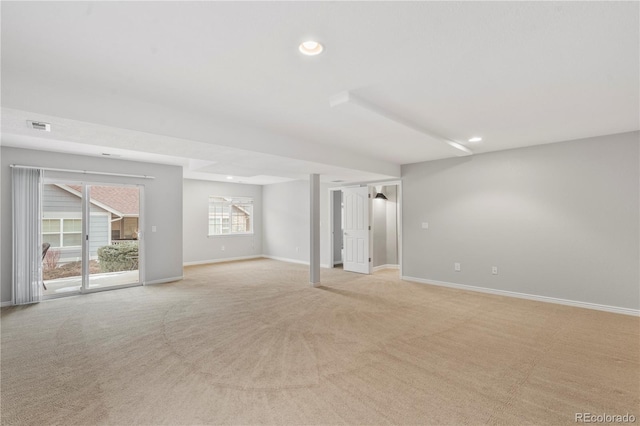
x,y
299,262
227,259
286,259
587,305
164,280
5,304
381,267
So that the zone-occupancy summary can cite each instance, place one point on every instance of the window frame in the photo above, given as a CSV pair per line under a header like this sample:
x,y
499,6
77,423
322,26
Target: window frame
x,y
222,211
61,232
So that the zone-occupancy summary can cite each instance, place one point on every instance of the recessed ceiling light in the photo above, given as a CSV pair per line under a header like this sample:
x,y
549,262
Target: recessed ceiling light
x,y
310,48
475,139
229,177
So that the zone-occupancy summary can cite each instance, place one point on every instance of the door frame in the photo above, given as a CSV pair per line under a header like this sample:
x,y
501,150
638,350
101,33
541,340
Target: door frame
x,y
332,224
85,215
397,182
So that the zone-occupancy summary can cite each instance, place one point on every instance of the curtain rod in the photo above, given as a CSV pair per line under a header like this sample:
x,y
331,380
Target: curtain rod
x,y
86,172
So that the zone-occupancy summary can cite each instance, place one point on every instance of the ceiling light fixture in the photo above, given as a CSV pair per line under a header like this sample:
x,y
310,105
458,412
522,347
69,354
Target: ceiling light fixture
x,y
310,48
229,177
475,139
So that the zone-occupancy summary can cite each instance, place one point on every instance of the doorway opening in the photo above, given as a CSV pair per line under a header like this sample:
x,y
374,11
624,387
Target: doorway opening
x,y
384,229
380,214
337,216
91,237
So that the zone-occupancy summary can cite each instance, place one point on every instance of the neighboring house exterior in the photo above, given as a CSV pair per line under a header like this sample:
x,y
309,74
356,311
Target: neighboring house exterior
x,y
123,204
114,216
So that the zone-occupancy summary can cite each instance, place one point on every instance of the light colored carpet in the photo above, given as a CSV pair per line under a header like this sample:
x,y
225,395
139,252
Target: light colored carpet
x,y
252,343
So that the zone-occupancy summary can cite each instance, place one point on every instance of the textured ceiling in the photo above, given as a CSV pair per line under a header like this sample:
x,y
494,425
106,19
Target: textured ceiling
x,y
228,74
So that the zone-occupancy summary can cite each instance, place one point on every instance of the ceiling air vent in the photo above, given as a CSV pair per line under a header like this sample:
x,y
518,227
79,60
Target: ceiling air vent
x,y
39,125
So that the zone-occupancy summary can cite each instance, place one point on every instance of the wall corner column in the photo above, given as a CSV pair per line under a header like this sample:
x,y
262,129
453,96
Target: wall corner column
x,y
314,252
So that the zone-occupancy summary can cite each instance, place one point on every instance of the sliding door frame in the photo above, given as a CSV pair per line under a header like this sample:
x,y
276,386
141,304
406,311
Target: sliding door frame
x,y
86,213
85,247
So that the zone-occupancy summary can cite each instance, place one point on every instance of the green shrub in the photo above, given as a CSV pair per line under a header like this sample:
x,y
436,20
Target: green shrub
x,y
119,257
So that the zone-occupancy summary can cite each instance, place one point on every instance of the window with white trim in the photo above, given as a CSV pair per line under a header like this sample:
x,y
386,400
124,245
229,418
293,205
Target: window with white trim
x,y
230,215
62,232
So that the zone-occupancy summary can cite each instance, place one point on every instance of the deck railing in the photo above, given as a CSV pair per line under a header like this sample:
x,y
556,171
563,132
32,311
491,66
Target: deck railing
x,y
116,242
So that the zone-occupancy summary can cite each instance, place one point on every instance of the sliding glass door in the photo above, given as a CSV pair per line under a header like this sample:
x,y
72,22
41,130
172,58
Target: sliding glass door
x,y
61,239
91,237
114,229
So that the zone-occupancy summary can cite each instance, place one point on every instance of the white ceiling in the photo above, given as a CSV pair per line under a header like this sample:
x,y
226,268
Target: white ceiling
x,y
224,82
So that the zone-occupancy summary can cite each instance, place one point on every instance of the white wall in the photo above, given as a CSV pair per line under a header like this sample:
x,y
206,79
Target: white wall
x,y
385,234
162,202
391,193
558,220
200,248
2,238
379,231
286,219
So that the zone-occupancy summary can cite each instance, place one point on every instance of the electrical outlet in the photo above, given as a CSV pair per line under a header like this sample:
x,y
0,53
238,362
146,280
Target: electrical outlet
x,y
425,225
297,249
222,248
153,228
494,270
456,267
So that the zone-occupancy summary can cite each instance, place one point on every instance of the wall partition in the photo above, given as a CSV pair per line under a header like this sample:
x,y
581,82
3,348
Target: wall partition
x,y
160,203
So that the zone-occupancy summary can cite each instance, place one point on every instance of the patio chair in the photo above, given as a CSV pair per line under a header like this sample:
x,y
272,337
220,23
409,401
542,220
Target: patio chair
x,y
45,248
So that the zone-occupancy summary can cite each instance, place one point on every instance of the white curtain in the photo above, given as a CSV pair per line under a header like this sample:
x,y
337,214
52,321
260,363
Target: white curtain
x,y
27,239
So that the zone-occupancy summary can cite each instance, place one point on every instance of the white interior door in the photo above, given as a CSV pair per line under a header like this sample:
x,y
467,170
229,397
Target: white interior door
x,y
356,230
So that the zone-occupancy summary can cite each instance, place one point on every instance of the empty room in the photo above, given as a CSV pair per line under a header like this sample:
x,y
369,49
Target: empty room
x,y
319,213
